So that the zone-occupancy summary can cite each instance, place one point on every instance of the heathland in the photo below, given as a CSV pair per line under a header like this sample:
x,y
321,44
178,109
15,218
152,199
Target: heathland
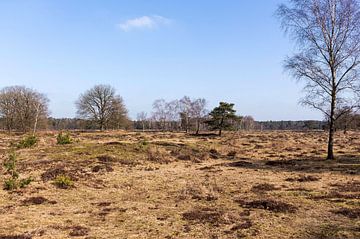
x,y
118,184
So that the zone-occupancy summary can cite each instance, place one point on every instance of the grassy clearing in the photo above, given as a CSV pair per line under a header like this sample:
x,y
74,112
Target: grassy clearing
x,y
171,185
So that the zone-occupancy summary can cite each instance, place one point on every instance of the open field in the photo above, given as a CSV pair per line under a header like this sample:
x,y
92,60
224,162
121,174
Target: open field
x,y
172,185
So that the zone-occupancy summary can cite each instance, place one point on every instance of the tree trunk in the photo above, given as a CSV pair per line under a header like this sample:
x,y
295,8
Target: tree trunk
x,y
221,125
36,119
330,154
197,127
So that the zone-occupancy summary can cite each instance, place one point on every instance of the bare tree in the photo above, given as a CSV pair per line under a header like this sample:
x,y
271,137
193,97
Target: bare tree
x,y
159,112
23,108
186,105
186,110
199,111
247,123
328,37
172,114
102,105
118,118
142,117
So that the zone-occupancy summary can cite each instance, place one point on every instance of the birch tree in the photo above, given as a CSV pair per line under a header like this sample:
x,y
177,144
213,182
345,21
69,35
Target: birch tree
x,y
327,33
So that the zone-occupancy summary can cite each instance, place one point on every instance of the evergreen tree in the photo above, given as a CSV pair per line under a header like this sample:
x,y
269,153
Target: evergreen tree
x,y
222,117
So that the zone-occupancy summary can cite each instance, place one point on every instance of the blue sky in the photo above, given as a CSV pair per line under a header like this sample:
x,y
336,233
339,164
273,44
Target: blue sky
x,y
219,50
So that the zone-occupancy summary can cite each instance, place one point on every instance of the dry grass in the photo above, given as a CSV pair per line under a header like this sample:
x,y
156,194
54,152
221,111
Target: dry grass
x,y
172,185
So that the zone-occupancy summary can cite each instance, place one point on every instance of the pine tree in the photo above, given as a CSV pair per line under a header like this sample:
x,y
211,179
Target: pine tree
x,y
222,117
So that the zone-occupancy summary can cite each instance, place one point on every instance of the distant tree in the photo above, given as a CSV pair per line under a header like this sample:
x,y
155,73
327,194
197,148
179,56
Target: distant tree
x,y
328,37
142,117
247,123
101,105
346,121
222,117
23,109
179,114
192,112
311,124
186,112
118,118
199,111
159,113
172,114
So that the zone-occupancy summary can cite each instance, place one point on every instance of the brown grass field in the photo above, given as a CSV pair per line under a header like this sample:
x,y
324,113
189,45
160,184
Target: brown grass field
x,y
172,185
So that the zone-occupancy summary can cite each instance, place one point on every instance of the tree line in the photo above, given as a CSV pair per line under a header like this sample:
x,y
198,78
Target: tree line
x,y
24,109
192,116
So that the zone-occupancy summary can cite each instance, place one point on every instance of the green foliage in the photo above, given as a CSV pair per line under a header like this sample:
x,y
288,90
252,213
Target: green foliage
x,y
10,184
63,181
144,142
10,166
63,138
23,183
28,142
222,117
13,182
142,145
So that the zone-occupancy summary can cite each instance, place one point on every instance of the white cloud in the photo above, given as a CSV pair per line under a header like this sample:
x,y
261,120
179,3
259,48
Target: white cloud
x,y
144,22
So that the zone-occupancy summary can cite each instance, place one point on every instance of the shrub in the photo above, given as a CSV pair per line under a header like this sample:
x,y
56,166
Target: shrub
x,y
13,182
10,184
142,145
28,142
63,181
144,142
10,166
23,183
158,155
63,138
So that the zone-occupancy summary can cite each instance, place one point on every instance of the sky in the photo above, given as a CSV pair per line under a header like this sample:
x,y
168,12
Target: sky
x,y
219,50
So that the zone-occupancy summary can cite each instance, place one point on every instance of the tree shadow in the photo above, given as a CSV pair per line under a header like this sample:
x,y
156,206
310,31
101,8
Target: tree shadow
x,y
346,164
210,135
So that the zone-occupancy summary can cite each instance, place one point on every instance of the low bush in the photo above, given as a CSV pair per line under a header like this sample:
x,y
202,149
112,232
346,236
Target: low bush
x,y
10,184
23,183
63,181
28,142
13,182
63,138
158,155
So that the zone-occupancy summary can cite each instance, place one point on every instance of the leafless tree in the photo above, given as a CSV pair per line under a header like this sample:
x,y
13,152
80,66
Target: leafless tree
x,y
23,108
169,114
192,112
142,117
247,122
186,105
327,33
199,111
102,105
172,114
159,112
118,118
